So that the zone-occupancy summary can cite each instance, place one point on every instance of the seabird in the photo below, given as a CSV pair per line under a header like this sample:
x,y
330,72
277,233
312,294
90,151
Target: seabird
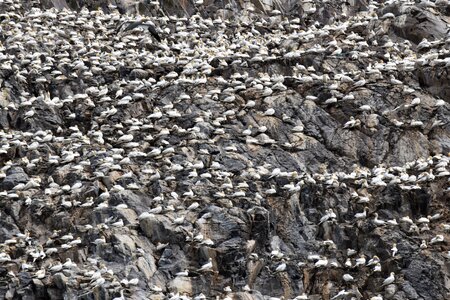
x,y
323,262
361,261
394,249
281,267
377,221
347,277
423,245
437,239
342,294
389,279
207,267
377,268
359,216
373,261
150,28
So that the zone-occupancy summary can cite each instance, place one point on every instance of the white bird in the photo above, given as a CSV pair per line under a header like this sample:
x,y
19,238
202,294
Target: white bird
x,y
40,274
361,261
338,51
193,206
423,245
439,102
377,221
352,123
365,107
269,112
125,138
69,264
373,261
200,296
394,249
328,216
281,267
179,220
156,210
156,288
250,103
392,222
347,277
363,215
206,267
156,115
437,239
348,263
118,223
301,297
56,268
29,114
389,280
423,220
415,101
407,219
377,268
321,263
341,295
275,172
122,297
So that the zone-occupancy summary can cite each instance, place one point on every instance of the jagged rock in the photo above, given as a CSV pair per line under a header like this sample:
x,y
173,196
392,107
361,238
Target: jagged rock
x,y
390,291
239,149
410,292
147,266
39,289
182,285
160,229
248,296
436,82
54,293
138,202
125,244
416,24
415,273
14,176
60,281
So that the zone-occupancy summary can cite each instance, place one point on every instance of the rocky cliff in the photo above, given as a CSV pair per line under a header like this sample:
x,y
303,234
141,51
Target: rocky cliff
x,y
260,150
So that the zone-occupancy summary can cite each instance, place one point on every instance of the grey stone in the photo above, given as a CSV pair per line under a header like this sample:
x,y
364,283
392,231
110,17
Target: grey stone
x,y
39,288
124,244
60,281
409,290
148,268
417,24
390,291
14,176
243,228
159,228
182,285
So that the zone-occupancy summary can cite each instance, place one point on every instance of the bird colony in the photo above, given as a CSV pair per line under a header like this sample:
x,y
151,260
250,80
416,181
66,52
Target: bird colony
x,y
243,156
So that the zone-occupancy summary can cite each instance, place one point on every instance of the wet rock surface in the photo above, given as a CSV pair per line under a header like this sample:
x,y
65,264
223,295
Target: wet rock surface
x,y
294,149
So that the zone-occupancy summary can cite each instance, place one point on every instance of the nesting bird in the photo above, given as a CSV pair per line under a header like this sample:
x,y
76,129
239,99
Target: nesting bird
x,y
129,141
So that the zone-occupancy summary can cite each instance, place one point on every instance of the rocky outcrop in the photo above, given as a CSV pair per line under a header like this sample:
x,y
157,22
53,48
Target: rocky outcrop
x,y
295,149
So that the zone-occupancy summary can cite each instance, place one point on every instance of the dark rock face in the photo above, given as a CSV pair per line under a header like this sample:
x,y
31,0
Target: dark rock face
x,y
295,149
14,176
416,24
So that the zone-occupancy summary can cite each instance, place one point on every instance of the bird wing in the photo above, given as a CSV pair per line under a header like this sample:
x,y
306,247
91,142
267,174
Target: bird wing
x,y
150,28
154,33
133,25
